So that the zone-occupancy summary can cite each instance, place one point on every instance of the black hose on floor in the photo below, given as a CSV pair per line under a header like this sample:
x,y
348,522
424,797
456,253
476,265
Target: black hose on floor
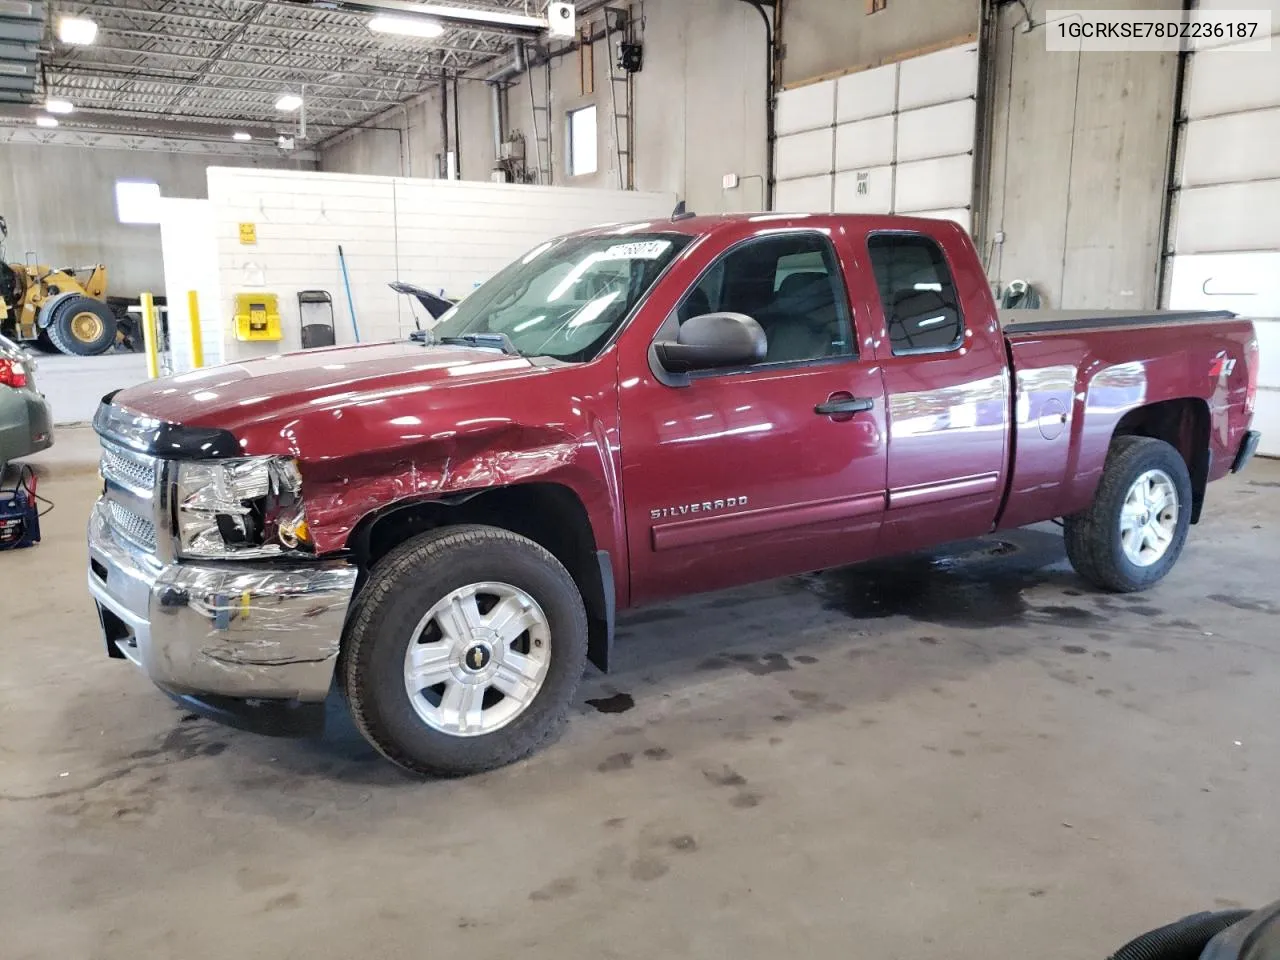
x,y
1181,940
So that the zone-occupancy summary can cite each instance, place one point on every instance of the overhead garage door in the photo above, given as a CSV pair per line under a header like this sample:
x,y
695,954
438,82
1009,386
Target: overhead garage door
x,y
1224,237
894,139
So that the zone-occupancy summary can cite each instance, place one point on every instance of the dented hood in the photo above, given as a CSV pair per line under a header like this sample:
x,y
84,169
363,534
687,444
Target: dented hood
x,y
241,396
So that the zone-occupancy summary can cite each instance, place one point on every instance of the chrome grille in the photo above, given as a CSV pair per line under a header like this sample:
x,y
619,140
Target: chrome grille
x,y
128,524
129,469
129,493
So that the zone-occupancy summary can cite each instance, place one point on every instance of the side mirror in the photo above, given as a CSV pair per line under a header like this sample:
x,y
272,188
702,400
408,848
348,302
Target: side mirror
x,y
713,340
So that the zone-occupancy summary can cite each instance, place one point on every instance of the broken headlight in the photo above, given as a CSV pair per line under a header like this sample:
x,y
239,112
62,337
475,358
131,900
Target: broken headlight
x,y
241,508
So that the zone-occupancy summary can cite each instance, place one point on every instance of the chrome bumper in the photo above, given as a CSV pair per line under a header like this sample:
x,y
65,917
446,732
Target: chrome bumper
x,y
244,630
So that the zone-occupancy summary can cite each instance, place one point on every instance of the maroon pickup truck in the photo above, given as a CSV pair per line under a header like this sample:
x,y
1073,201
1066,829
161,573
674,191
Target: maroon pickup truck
x,y
446,526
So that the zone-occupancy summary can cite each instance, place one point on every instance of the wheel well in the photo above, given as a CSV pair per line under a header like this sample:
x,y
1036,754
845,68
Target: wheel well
x,y
1184,425
549,514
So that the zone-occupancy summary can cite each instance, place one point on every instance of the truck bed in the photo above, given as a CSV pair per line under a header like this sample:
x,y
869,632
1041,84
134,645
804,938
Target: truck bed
x,y
1023,322
1077,373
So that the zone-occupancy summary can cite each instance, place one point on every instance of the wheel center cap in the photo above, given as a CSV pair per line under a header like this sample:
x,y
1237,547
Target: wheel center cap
x,y
477,657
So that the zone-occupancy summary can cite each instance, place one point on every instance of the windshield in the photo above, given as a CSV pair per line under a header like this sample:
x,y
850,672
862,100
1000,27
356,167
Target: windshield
x,y
566,298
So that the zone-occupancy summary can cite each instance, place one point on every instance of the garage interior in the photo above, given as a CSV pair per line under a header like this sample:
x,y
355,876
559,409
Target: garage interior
x,y
922,756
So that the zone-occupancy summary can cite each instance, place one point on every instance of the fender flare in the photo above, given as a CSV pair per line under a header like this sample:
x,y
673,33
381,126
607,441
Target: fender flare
x,y
50,307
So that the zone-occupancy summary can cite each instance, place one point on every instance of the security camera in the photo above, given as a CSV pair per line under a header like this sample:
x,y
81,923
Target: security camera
x,y
561,19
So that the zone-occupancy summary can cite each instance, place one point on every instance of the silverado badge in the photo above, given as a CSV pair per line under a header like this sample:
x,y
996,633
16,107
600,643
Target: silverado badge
x,y
705,506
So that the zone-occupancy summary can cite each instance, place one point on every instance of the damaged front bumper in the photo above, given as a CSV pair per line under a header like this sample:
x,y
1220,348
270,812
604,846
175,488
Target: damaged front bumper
x,y
220,632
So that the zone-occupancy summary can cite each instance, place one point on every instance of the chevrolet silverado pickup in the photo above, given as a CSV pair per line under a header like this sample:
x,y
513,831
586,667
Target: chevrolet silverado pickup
x,y
444,528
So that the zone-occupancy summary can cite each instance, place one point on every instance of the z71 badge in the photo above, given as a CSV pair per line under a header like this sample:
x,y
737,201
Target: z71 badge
x,y
706,506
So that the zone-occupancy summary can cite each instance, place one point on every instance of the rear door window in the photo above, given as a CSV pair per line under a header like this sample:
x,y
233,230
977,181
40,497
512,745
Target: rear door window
x,y
917,293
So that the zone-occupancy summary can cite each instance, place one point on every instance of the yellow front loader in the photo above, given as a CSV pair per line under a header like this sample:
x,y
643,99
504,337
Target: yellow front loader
x,y
62,308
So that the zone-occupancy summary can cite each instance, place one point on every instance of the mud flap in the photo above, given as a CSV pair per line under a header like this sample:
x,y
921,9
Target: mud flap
x,y
601,622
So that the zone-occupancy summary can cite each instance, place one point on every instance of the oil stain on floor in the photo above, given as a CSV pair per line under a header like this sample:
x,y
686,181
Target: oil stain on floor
x,y
973,584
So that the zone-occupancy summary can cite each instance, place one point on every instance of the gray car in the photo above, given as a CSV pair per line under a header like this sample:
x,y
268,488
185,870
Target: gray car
x,y
26,424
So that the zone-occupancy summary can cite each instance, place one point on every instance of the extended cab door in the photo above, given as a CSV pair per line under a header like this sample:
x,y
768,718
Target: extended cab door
x,y
775,468
946,380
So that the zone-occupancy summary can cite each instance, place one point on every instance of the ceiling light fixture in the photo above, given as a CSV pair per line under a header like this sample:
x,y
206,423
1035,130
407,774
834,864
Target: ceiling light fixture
x,y
288,102
54,105
241,136
78,30
43,121
406,26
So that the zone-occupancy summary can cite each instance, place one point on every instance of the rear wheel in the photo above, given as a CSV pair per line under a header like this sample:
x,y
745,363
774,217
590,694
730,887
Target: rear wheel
x,y
1133,533
464,650
82,326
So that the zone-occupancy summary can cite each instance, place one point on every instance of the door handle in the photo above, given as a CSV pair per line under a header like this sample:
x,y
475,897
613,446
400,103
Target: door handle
x,y
844,404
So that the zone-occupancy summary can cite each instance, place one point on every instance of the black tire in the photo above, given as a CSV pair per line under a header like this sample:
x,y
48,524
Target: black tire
x,y
401,589
62,327
1092,537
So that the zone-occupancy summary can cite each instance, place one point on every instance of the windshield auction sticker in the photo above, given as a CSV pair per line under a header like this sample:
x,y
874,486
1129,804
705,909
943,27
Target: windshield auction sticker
x,y
1157,31
640,250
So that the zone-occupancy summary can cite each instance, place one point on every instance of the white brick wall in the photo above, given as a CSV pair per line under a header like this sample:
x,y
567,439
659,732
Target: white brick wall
x,y
440,234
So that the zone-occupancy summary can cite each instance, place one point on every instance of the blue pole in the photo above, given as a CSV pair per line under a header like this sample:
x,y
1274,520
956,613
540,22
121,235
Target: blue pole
x,y
346,282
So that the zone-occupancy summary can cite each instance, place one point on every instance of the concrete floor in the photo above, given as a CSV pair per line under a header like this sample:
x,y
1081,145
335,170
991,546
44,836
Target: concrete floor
x,y
968,758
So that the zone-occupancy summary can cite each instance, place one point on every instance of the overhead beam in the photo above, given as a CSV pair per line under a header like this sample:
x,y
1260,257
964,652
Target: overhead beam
x,y
378,69
493,21
123,73
303,30
231,112
320,43
107,119
354,82
151,141
138,113
327,121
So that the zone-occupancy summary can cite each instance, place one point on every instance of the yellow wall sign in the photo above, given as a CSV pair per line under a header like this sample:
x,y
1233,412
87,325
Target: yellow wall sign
x,y
248,233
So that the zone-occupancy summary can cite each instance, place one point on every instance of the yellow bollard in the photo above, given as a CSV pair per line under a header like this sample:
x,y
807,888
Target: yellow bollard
x,y
197,347
149,336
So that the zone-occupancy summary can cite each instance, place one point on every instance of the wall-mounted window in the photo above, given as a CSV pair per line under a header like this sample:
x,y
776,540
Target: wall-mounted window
x,y
137,201
582,142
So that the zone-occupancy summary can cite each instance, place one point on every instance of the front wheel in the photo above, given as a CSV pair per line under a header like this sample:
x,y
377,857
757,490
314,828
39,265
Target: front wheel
x,y
1132,534
464,650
